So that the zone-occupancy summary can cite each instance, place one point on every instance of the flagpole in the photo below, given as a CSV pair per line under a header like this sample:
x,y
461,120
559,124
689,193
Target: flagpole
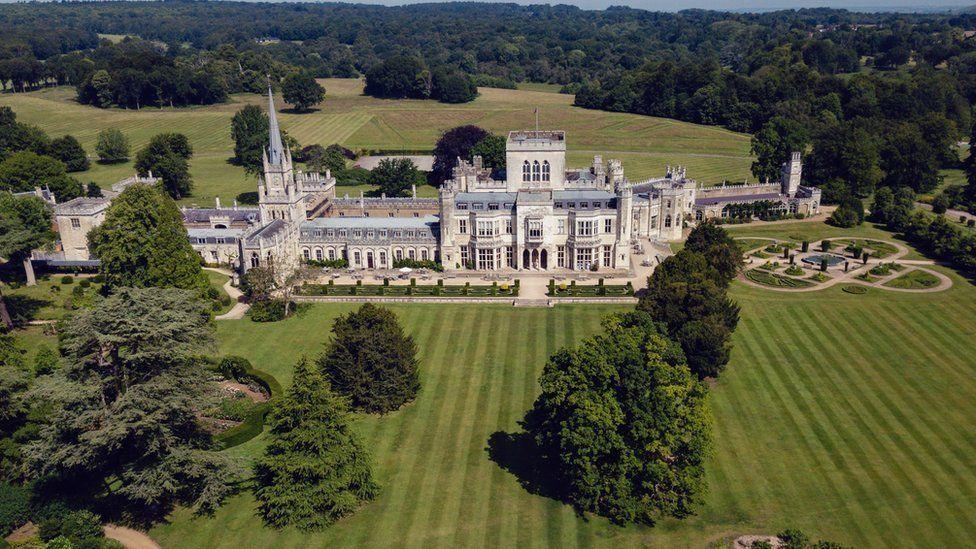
x,y
537,119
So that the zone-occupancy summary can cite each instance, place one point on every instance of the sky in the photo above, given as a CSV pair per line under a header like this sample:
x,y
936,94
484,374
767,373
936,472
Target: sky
x,y
724,5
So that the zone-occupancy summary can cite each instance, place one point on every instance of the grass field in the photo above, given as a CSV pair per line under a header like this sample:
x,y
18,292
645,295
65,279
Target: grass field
x,y
848,416
645,145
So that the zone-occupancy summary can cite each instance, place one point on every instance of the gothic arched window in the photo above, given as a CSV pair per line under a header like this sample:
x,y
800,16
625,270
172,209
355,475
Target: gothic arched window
x,y
536,172
545,170
526,171
255,260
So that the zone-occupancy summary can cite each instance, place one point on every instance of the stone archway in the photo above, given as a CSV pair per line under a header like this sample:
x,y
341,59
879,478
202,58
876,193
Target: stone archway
x,y
525,259
535,259
544,260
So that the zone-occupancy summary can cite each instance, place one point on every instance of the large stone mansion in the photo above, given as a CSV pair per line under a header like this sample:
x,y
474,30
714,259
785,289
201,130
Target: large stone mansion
x,y
541,217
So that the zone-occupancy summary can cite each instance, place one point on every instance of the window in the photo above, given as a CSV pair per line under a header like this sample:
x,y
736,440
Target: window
x,y
526,171
535,228
486,228
397,254
545,170
416,214
357,259
412,254
306,253
255,260
382,259
464,256
584,228
584,204
606,256
331,254
608,225
423,254
560,226
493,205
508,226
478,206
462,226
460,206
391,214
318,254
560,256
75,223
383,233
365,214
536,171
486,259
667,221
558,205
509,255
669,204
584,258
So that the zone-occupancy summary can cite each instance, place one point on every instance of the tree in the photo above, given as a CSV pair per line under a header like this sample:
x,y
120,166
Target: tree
x,y
399,77
314,470
328,158
686,289
849,213
249,130
69,151
301,90
718,248
394,176
112,146
621,425
371,361
123,425
848,154
969,193
15,136
452,86
143,243
25,225
453,144
908,160
491,149
166,155
25,170
773,145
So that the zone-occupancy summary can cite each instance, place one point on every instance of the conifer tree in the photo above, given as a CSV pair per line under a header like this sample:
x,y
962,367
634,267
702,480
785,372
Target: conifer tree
x,y
315,470
371,361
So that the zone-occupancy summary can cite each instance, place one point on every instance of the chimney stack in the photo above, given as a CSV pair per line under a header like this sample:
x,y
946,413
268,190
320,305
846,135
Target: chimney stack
x,y
217,201
413,191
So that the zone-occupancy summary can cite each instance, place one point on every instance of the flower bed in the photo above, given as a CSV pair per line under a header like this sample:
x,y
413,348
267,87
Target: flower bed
x,y
775,280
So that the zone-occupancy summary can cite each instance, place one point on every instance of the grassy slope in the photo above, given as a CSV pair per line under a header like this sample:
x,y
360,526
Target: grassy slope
x,y
847,416
645,145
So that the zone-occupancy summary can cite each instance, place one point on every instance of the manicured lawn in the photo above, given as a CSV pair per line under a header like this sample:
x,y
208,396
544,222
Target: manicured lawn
x,y
914,280
645,145
848,416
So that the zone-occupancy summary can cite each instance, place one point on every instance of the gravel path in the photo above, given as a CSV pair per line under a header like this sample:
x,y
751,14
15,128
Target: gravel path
x,y
239,309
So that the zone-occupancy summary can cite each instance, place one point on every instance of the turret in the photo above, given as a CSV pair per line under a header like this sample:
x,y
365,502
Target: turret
x,y
791,174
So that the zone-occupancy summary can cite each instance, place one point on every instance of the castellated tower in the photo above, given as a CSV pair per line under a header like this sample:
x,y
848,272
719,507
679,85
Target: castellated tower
x,y
278,194
448,251
625,217
791,174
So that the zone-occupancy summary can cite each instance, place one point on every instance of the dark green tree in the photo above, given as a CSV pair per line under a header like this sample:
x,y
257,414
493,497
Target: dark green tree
x,y
621,424
25,170
453,144
394,176
69,151
249,130
143,243
25,225
720,249
773,145
491,149
969,192
112,146
371,360
301,90
686,289
399,77
849,213
908,160
314,470
452,86
123,425
166,156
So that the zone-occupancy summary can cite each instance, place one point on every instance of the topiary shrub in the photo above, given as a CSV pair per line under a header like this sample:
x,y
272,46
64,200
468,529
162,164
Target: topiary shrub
x,y
233,367
855,289
67,279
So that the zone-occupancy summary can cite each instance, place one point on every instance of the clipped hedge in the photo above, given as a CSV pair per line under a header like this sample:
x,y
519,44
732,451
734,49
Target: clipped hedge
x,y
253,424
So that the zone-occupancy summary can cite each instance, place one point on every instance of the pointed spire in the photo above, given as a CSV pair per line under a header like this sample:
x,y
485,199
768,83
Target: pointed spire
x,y
275,150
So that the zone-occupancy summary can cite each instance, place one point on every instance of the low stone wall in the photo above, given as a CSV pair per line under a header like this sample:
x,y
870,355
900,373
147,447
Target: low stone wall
x,y
399,299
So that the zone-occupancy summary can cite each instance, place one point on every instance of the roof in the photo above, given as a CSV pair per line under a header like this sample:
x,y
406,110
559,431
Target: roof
x,y
371,222
82,205
203,215
268,231
276,151
537,136
214,233
712,200
583,194
486,197
529,197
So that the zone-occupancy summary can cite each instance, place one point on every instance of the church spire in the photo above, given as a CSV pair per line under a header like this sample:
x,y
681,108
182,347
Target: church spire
x,y
276,153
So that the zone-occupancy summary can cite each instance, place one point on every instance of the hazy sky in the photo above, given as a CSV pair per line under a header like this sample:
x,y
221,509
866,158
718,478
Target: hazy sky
x,y
733,5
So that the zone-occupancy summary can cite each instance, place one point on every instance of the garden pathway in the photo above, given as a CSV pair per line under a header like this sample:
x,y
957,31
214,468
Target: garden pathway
x,y
850,277
239,309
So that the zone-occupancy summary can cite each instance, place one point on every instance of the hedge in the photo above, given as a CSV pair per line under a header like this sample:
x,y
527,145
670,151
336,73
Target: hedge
x,y
254,423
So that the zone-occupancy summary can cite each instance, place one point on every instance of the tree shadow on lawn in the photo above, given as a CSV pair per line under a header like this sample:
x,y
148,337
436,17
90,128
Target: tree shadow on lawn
x,y
23,309
519,455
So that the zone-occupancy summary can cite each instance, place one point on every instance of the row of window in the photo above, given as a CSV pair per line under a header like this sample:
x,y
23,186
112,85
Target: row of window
x,y
582,205
367,233
499,258
536,171
587,227
366,214
493,206
490,206
319,254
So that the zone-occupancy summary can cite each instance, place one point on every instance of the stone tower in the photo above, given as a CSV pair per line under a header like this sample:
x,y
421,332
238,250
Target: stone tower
x,y
278,194
448,251
791,174
625,221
